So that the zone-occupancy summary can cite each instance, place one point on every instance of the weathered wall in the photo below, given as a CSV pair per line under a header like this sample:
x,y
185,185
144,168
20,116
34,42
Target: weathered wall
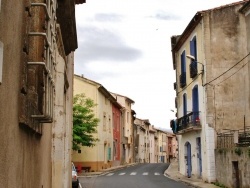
x,y
225,173
225,44
26,152
25,158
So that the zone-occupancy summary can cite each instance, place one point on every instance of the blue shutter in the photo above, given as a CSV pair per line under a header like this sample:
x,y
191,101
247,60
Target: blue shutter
x,y
184,104
183,62
193,49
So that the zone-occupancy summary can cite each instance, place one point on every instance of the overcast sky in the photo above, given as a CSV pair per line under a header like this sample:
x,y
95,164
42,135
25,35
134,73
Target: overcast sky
x,y
125,46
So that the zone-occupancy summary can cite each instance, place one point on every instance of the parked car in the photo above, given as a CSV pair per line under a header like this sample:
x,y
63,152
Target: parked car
x,y
75,181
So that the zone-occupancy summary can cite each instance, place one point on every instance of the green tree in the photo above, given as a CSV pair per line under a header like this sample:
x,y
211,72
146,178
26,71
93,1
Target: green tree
x,y
84,122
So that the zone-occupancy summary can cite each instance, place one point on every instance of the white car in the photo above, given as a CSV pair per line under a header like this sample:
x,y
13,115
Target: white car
x,y
75,181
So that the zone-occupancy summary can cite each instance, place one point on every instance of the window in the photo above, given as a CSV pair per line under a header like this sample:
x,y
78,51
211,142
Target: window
x,y
193,52
184,104
193,47
127,117
104,121
109,123
183,70
38,71
109,153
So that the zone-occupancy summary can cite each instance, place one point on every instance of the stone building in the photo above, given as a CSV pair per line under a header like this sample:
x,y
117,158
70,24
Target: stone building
x,y
212,85
37,41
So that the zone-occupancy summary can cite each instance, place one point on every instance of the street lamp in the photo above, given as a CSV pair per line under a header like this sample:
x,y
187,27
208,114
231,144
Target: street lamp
x,y
193,59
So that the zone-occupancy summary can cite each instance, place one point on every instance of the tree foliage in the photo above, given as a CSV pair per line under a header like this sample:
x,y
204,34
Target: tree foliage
x,y
84,122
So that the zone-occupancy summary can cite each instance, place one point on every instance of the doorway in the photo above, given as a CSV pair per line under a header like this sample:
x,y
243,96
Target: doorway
x,y
199,158
188,158
236,175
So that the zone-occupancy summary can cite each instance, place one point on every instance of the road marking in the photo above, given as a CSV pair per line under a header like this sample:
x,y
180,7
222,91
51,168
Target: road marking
x,y
157,174
121,174
110,174
133,174
80,186
145,173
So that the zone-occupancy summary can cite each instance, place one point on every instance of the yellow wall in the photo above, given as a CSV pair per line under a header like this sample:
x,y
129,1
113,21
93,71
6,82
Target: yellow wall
x,y
96,156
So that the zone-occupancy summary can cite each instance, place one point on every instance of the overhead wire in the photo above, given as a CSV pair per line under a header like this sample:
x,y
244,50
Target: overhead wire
x,y
189,84
227,70
233,73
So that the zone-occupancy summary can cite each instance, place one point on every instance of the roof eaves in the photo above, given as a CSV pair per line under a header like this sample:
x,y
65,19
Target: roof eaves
x,y
189,29
245,8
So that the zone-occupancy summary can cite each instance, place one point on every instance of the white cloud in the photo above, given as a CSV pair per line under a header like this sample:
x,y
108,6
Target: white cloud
x,y
125,46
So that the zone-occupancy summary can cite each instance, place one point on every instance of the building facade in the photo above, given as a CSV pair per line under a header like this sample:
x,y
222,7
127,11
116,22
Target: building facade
x,y
117,119
127,145
209,94
36,75
105,153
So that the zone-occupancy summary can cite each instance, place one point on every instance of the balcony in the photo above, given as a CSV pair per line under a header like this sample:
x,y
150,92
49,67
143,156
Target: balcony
x,y
188,123
193,69
183,79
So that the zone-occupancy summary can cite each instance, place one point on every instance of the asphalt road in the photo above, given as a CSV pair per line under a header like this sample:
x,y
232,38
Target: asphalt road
x,y
138,176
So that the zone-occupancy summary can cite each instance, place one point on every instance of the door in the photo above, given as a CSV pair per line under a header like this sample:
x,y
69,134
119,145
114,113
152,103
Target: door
x,y
188,160
198,142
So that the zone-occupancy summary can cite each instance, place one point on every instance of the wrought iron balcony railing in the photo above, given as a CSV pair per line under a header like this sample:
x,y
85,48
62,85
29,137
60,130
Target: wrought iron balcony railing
x,y
189,123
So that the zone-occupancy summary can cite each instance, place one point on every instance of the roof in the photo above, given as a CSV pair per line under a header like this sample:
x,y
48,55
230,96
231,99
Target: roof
x,y
178,40
245,8
130,100
196,19
103,90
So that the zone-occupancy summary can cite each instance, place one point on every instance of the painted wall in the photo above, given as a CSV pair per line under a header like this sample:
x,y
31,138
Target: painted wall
x,y
221,37
101,155
27,157
127,146
116,134
233,164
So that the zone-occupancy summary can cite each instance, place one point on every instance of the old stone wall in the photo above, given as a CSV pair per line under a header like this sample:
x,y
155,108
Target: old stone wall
x,y
25,156
227,82
233,167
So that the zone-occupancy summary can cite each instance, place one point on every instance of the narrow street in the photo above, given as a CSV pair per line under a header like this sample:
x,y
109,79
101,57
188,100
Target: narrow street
x,y
138,176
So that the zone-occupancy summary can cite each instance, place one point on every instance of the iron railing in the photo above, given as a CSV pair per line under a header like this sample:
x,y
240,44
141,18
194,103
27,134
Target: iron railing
x,y
234,138
188,121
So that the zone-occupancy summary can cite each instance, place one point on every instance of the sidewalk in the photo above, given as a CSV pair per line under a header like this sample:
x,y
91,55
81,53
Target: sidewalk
x,y
172,173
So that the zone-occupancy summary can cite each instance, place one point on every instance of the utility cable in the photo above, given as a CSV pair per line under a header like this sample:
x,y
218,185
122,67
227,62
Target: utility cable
x,y
228,69
189,83
233,73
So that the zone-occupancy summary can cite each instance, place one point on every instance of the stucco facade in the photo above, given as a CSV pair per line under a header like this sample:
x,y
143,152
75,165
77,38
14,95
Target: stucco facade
x,y
100,156
142,151
117,118
214,97
36,74
127,147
